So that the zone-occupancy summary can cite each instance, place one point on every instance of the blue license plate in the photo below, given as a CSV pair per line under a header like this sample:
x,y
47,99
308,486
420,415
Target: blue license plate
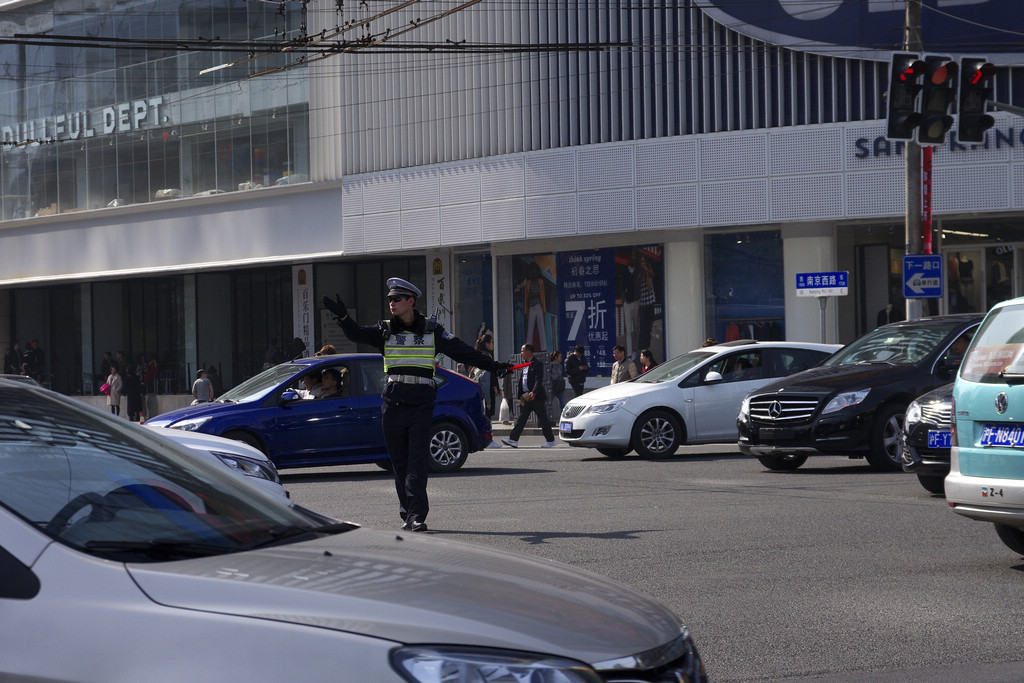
x,y
1003,434
565,427
939,438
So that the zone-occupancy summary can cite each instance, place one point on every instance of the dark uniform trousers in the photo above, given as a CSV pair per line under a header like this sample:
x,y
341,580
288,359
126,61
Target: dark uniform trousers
x,y
406,416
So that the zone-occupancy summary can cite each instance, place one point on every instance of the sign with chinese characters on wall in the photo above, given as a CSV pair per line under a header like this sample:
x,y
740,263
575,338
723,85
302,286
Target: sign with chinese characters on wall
x,y
302,305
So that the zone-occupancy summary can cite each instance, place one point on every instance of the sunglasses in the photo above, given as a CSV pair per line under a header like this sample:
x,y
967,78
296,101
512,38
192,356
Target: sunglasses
x,y
396,299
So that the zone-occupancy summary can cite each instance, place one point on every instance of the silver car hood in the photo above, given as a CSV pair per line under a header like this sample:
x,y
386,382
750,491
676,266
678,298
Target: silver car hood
x,y
410,589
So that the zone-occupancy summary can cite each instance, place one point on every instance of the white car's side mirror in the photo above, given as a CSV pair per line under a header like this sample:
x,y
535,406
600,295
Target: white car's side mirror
x,y
712,377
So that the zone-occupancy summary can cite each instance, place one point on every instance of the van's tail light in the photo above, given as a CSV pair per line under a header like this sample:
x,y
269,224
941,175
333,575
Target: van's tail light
x,y
952,423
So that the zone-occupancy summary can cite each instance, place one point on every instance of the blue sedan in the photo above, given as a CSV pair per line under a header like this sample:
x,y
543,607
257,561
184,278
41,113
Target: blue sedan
x,y
273,413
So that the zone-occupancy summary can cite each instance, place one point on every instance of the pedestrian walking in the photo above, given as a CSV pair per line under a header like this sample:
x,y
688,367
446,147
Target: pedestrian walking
x,y
557,373
532,397
409,342
623,368
202,388
576,369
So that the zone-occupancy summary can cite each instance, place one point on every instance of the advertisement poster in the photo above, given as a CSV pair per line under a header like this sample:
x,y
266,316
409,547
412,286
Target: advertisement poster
x,y
610,297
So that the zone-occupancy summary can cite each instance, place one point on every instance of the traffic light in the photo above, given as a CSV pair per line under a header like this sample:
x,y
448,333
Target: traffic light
x,y
975,75
903,117
936,97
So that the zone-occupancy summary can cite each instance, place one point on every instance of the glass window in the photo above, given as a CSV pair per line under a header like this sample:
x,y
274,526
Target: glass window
x,y
746,298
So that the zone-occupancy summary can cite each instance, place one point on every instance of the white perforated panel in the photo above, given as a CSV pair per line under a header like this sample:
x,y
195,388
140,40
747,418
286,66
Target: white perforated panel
x,y
740,201
807,197
502,178
382,193
879,193
420,188
609,211
604,167
672,160
551,216
1017,177
352,235
733,156
805,151
421,228
460,183
668,206
351,198
971,188
551,172
503,220
383,231
460,224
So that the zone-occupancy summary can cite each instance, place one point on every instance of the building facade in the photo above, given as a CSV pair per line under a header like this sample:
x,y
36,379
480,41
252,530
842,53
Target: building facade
x,y
189,194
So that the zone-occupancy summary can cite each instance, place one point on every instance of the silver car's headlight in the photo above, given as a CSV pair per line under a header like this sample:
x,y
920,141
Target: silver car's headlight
x,y
190,425
845,400
249,466
913,414
444,664
609,407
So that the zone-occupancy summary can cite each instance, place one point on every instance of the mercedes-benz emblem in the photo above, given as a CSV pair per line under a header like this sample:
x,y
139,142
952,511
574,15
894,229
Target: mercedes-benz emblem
x,y
774,410
1001,402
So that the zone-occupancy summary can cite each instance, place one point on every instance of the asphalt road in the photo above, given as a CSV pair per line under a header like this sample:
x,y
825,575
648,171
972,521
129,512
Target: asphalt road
x,y
829,573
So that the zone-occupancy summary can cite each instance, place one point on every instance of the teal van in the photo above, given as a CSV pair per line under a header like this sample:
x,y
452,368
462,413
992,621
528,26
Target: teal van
x,y
986,477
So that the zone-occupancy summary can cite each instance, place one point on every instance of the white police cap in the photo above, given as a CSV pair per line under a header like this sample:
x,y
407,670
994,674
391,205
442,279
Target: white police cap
x,y
397,285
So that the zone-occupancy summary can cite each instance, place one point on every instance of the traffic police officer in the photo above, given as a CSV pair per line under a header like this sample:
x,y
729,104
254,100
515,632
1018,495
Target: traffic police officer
x,y
409,342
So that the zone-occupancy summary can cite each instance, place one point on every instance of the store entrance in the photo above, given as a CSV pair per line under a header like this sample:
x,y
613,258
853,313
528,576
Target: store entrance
x,y
980,276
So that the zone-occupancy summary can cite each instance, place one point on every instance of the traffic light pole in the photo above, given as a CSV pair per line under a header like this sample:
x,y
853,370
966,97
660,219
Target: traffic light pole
x,y
912,43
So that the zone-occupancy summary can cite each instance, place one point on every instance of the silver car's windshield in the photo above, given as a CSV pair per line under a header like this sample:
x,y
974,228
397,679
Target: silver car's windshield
x,y
674,368
893,345
257,387
114,490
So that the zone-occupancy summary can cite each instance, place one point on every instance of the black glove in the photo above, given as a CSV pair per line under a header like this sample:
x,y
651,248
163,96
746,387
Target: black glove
x,y
502,370
337,307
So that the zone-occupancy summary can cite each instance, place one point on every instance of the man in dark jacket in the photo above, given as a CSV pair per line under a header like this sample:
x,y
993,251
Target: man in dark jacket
x,y
409,343
532,397
576,369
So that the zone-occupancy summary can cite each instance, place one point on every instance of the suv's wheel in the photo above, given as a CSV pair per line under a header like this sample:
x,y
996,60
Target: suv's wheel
x,y
932,483
886,453
614,453
449,447
782,462
657,434
1012,537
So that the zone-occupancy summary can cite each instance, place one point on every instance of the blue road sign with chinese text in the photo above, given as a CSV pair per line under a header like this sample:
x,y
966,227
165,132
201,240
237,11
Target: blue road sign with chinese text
x,y
822,284
922,276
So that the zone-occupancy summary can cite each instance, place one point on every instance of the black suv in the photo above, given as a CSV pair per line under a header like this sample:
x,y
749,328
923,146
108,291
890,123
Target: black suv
x,y
853,403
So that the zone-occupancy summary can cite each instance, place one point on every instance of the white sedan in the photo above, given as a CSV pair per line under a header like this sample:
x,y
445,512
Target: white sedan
x,y
692,398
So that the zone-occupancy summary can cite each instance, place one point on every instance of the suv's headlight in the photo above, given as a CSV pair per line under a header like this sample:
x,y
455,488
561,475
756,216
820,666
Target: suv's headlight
x,y
609,407
249,466
745,409
442,664
190,425
846,399
913,414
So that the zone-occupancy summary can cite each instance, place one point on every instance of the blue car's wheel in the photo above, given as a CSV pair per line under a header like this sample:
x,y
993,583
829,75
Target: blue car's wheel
x,y
449,447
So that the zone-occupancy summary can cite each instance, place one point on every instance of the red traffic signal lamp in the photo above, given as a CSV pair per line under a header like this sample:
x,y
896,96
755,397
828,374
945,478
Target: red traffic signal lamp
x,y
937,96
903,117
975,77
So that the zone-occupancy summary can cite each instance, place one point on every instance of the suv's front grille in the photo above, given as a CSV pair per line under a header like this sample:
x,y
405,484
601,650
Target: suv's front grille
x,y
938,414
782,410
571,412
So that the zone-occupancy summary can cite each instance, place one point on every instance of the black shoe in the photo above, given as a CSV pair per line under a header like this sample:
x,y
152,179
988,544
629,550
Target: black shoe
x,y
413,525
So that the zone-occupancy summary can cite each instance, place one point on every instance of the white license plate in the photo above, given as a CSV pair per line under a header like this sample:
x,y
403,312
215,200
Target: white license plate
x,y
1006,435
565,427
